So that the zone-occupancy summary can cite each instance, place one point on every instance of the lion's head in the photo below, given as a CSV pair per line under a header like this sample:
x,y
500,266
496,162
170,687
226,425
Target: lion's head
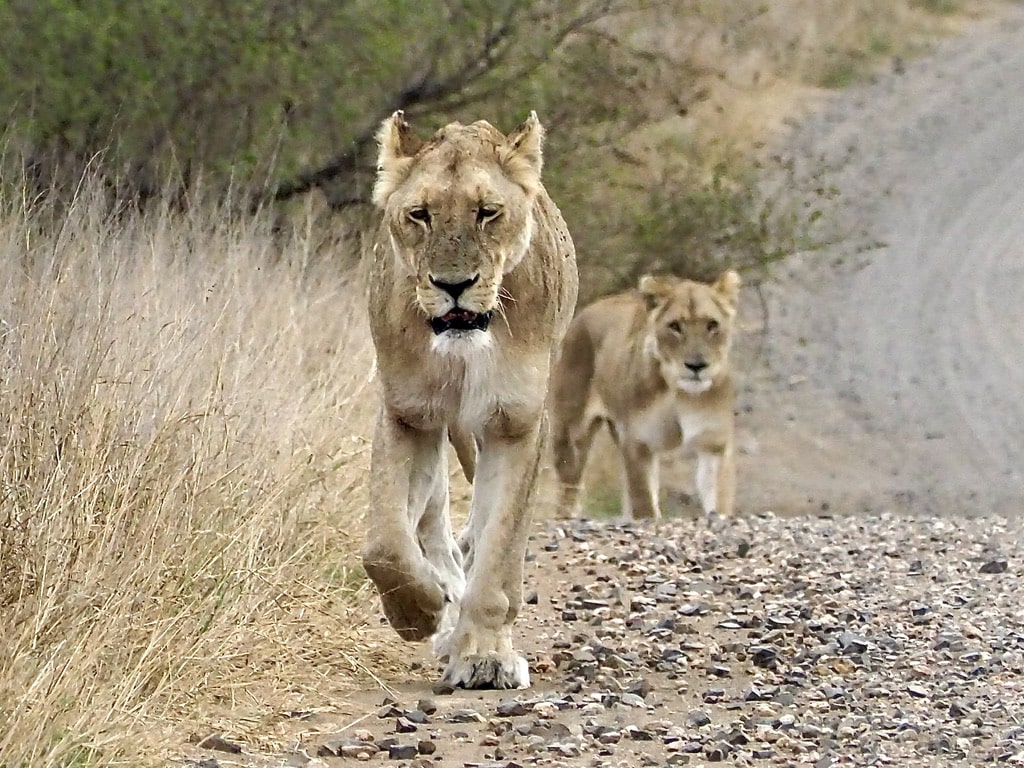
x,y
458,210
689,328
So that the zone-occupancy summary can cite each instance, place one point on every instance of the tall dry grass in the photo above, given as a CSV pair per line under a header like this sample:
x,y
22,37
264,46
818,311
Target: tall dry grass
x,y
184,408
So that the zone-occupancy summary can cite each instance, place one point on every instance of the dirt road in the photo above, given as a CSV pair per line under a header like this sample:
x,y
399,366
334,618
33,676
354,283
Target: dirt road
x,y
899,371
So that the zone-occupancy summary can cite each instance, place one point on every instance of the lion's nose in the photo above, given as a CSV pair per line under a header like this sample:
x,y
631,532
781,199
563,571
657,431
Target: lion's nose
x,y
696,366
454,289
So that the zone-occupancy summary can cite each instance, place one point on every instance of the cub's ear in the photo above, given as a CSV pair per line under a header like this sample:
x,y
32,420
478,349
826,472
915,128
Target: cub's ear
x,y
522,155
728,286
398,144
655,289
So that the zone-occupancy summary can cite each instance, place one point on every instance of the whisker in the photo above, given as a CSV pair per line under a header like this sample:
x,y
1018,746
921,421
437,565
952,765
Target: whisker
x,y
499,308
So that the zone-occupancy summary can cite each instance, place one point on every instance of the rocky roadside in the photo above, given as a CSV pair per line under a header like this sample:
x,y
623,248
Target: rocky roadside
x,y
882,640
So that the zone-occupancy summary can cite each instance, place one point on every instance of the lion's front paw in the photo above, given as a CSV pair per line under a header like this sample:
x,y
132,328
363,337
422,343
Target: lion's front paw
x,y
493,670
412,599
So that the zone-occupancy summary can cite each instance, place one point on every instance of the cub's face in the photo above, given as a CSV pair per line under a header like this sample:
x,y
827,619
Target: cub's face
x,y
458,213
689,328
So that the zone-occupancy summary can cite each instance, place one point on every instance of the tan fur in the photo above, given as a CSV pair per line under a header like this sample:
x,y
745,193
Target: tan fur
x,y
466,207
623,363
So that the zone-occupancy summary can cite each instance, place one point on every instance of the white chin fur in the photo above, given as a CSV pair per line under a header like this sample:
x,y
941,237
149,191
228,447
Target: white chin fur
x,y
694,386
464,344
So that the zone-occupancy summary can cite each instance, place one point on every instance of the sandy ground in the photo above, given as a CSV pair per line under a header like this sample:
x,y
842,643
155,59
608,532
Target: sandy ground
x,y
887,384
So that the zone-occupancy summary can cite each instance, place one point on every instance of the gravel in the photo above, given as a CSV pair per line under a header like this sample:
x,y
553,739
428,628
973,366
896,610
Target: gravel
x,y
821,646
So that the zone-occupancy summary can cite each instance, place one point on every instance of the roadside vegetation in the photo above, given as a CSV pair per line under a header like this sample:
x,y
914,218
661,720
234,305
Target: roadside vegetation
x,y
186,373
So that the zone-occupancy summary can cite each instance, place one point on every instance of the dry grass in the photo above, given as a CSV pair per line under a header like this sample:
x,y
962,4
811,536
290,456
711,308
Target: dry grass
x,y
185,414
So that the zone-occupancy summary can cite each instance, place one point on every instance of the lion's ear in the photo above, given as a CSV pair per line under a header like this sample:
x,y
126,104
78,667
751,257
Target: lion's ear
x,y
728,286
398,144
654,290
522,155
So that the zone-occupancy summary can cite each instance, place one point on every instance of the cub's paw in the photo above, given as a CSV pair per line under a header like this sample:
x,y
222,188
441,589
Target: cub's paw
x,y
493,670
412,598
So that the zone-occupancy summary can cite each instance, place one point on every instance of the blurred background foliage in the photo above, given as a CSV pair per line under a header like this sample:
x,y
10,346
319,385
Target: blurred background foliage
x,y
648,103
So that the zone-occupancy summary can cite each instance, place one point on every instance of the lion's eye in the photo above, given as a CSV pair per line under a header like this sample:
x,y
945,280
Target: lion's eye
x,y
419,215
713,326
486,213
676,327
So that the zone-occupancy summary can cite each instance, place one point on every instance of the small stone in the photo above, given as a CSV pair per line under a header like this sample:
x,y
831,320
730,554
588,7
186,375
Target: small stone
x,y
718,751
638,734
698,718
632,700
718,670
357,751
427,706
402,751
753,694
442,689
959,709
852,644
465,716
512,708
218,743
404,725
545,710
641,688
998,565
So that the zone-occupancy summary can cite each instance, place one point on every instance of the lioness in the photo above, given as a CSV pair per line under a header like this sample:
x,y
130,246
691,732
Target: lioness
x,y
472,286
653,364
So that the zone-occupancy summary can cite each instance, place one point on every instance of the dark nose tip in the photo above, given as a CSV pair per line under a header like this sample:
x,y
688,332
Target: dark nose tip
x,y
696,366
455,289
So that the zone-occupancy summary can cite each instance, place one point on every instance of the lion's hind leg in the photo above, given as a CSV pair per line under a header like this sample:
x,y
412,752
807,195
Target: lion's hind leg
x,y
571,449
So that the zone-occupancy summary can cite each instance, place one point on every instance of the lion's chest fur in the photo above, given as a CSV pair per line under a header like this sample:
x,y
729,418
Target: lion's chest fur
x,y
498,388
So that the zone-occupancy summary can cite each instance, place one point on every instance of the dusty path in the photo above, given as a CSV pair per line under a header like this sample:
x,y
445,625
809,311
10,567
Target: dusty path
x,y
907,361
893,389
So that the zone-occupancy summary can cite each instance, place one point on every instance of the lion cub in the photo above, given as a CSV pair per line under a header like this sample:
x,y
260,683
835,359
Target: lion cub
x,y
653,364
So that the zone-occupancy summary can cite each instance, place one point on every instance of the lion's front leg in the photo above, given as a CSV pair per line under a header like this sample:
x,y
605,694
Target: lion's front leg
x,y
716,480
410,553
480,648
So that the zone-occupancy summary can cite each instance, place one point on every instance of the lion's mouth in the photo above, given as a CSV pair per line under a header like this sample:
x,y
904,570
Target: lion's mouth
x,y
460,320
